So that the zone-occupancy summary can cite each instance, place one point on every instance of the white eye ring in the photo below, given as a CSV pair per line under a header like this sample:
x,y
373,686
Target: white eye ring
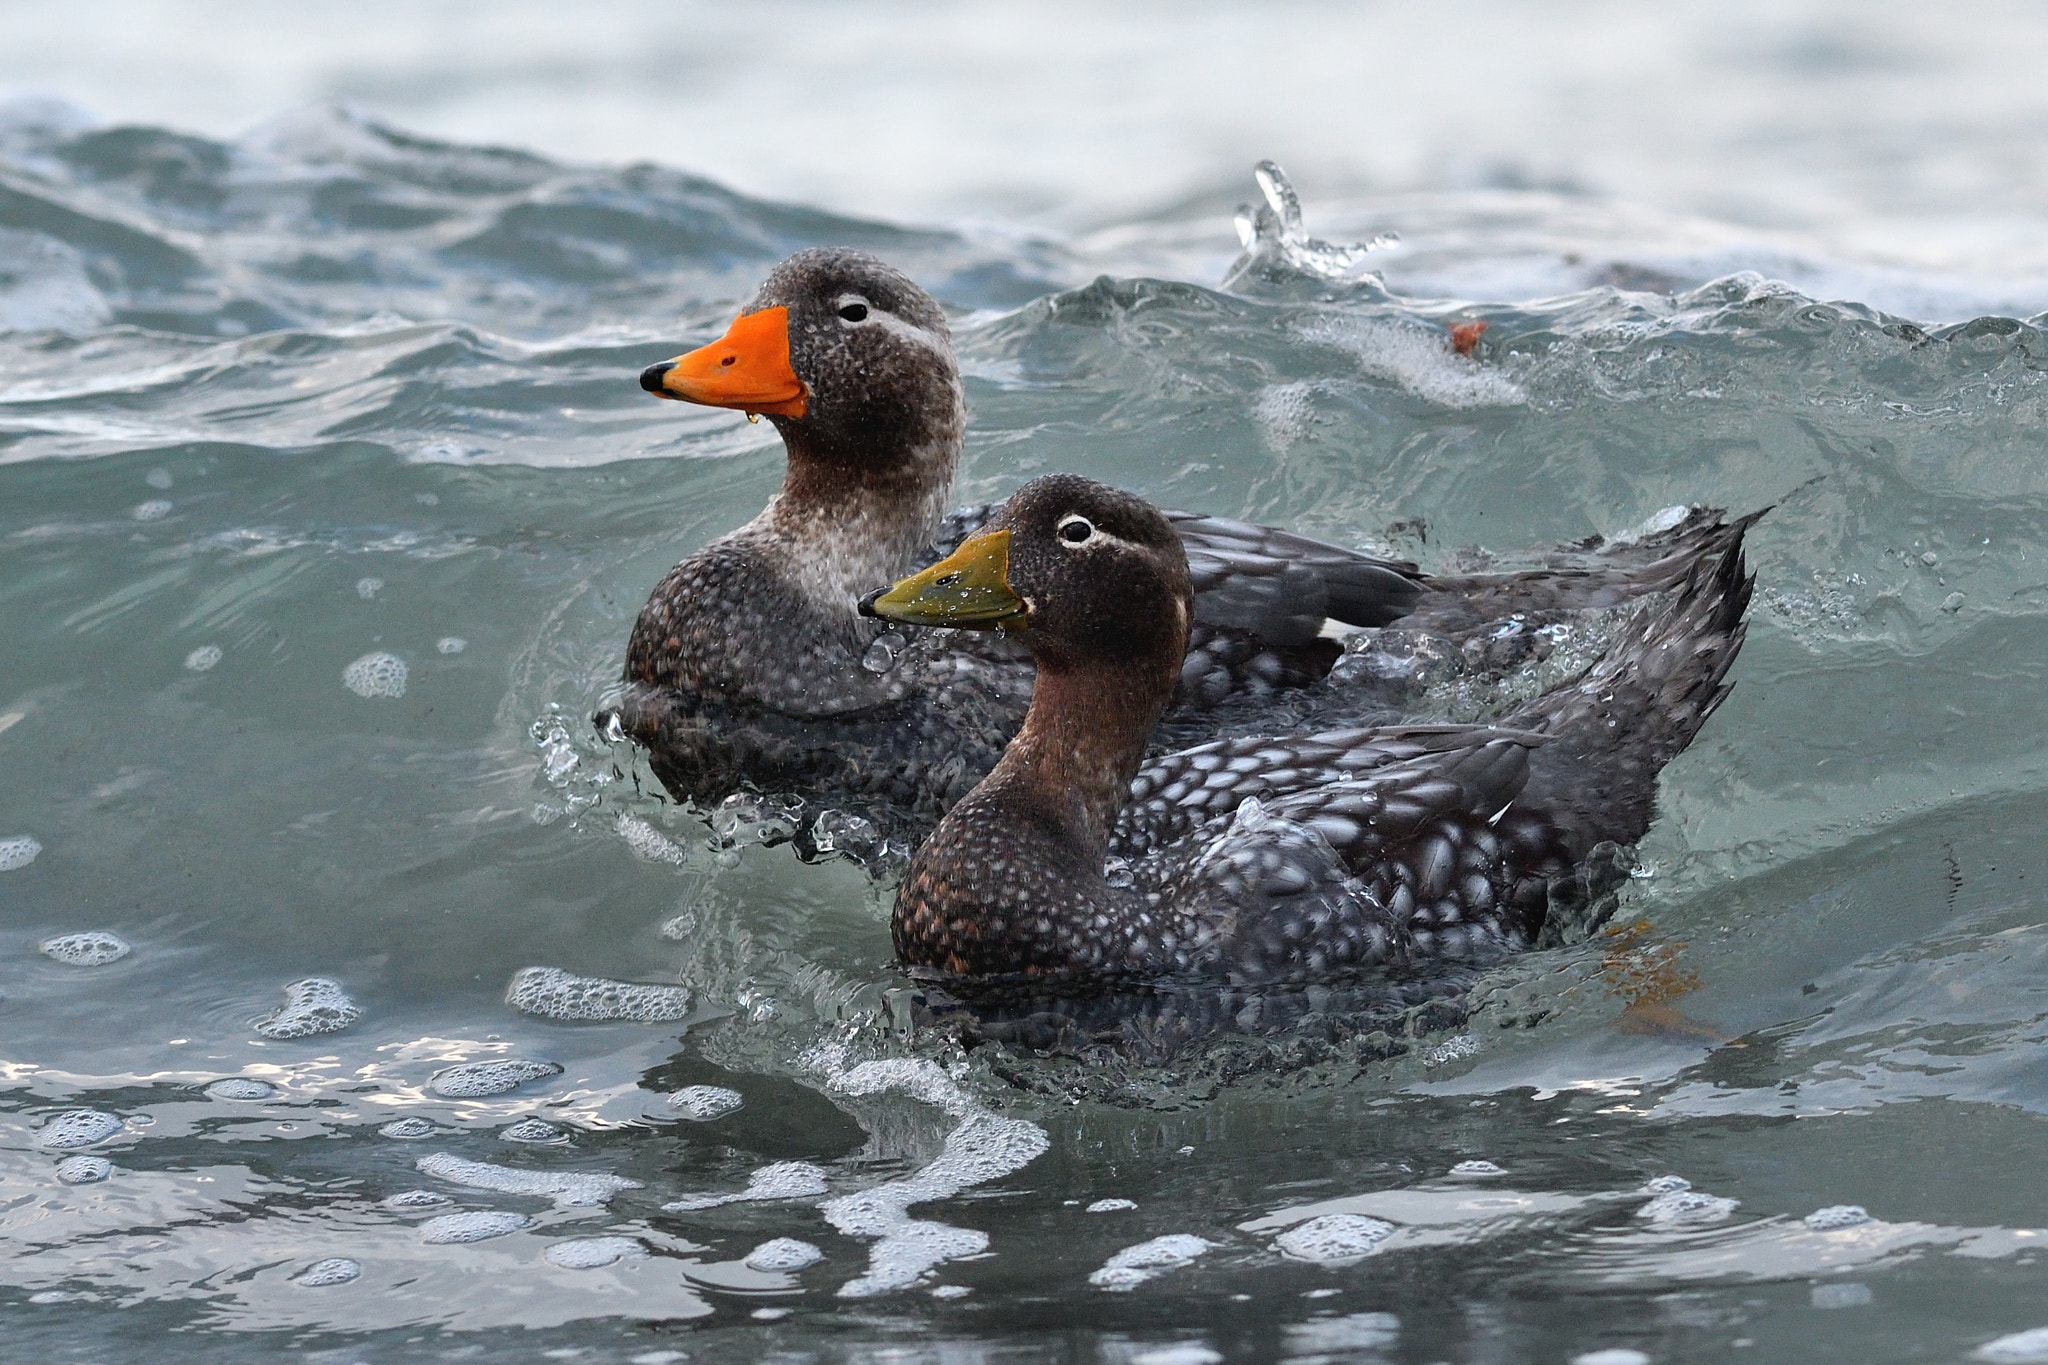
x,y
1072,522
852,308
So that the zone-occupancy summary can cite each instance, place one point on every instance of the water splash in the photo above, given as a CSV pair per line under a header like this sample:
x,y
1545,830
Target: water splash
x,y
1276,242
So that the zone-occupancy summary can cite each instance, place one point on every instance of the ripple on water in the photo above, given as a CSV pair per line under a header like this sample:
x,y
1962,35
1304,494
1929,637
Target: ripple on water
x,y
1334,1237
591,1253
93,948
75,1128
477,1226
240,1088
552,993
84,1170
784,1254
375,675
475,1080
703,1103
312,1006
18,850
1134,1265
332,1271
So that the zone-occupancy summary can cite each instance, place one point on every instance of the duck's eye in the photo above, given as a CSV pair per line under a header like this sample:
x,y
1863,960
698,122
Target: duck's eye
x,y
854,312
1076,529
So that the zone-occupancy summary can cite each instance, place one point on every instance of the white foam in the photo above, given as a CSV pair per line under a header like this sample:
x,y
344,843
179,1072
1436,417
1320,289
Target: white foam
x,y
1476,1169
156,509
552,993
1665,1184
783,1180
769,1314
414,1199
2020,1348
84,1170
18,851
592,1253
534,1130
453,1228
1180,1353
332,1271
406,1130
569,1189
1836,1216
703,1103
1134,1265
1334,1237
1418,359
1686,1206
1284,413
75,1128
950,1291
1613,1355
240,1088
311,1006
203,658
451,644
375,675
1109,1206
917,1077
784,1254
1452,1050
93,948
474,1080
368,588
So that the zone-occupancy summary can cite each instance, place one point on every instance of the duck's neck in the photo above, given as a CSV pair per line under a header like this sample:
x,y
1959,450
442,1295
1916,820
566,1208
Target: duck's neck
x,y
852,526
1081,744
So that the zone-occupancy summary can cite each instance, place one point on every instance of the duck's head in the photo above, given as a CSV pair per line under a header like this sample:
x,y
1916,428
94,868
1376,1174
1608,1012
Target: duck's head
x,y
848,357
1087,574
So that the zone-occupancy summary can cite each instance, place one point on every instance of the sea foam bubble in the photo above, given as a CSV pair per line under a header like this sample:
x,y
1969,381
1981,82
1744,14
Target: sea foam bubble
x,y
552,993
785,1254
1334,1237
452,1229
591,1253
703,1103
75,1128
783,1180
93,948
18,850
332,1271
1134,1265
203,658
476,1080
375,675
313,1005
84,1170
240,1088
569,1189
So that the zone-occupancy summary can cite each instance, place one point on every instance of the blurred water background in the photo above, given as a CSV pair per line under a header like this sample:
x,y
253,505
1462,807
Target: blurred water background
x,y
327,497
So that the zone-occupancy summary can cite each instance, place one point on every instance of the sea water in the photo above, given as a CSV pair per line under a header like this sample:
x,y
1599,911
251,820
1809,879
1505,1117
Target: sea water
x,y
357,998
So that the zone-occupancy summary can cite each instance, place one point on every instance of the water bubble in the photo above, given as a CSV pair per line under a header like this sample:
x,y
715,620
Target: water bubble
x,y
1134,1265
783,1180
332,1271
1476,1169
591,1253
407,1130
2021,1348
475,1080
159,479
1334,1237
93,948
375,675
702,1103
569,1189
18,850
156,509
837,831
1687,1206
1836,1216
1109,1206
240,1088
534,1130
785,1254
881,655
1839,1296
368,588
312,1006
203,658
451,644
553,993
414,1199
453,1228
75,1128
84,1170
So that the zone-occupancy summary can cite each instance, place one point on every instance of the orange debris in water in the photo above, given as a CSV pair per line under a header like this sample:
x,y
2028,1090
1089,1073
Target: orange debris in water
x,y
1465,335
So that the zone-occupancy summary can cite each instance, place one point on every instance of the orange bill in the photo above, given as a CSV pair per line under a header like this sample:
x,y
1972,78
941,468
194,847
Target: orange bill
x,y
747,368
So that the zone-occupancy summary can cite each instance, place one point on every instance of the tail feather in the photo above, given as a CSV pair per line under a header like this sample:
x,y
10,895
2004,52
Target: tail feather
x,y
1615,729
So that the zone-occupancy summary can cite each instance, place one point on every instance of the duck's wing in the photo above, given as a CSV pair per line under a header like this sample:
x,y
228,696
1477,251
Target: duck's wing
x,y
1401,863
1174,794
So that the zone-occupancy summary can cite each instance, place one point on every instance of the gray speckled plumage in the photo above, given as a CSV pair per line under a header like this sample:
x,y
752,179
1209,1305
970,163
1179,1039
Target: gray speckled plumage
x,y
1283,858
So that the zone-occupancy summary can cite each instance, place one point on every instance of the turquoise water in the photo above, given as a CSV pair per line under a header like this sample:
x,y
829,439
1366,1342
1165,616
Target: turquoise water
x,y
327,497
